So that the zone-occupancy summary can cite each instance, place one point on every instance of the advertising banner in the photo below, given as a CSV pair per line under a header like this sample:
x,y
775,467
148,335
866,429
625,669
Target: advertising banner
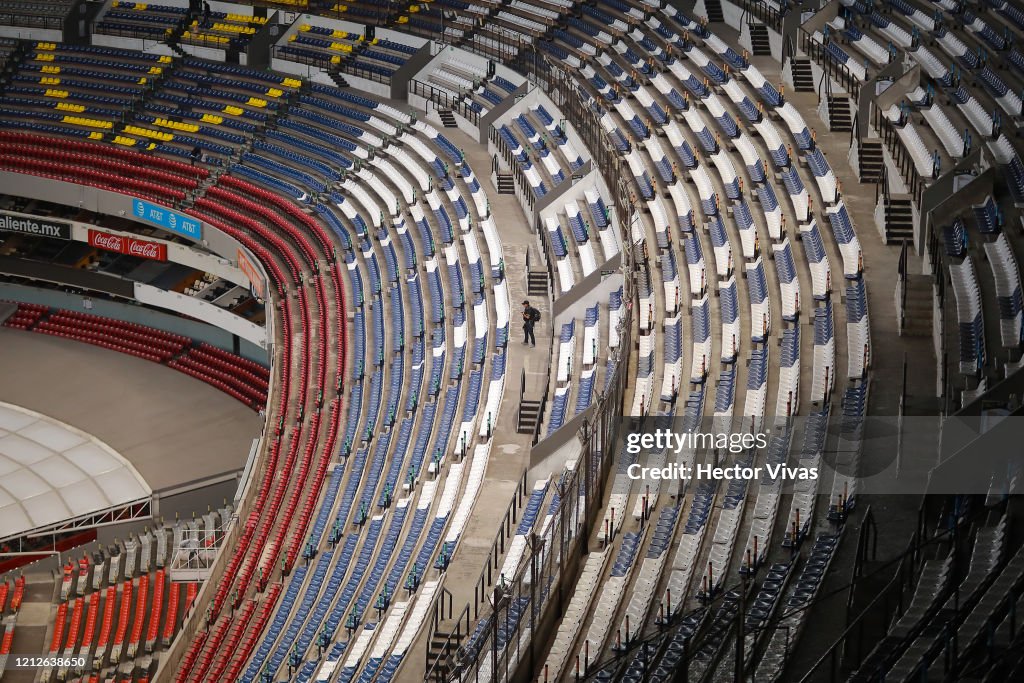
x,y
167,219
256,280
34,225
128,245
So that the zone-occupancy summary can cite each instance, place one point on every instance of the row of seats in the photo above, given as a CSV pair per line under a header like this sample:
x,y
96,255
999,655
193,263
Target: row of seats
x,y
333,105
627,75
245,574
241,378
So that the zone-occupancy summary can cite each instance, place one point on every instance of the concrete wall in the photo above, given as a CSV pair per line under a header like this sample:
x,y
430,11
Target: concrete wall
x,y
203,310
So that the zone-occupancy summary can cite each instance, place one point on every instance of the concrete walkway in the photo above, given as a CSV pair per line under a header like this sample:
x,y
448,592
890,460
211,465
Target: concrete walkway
x,y
510,452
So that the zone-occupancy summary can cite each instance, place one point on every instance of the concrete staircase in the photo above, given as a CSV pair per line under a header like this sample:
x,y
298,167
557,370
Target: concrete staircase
x,y
443,649
529,416
870,160
338,79
714,11
839,117
447,118
899,218
759,40
505,184
537,283
803,77
917,321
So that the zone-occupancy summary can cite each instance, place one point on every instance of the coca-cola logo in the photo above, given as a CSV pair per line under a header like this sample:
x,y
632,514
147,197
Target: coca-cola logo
x,y
106,241
150,250
128,245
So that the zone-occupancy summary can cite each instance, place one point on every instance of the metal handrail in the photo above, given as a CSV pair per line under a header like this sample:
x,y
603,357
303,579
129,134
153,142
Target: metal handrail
x,y
444,99
32,20
901,270
763,11
901,156
832,69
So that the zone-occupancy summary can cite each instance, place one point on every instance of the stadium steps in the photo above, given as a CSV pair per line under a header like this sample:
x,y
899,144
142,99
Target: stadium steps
x,y
803,78
899,218
759,40
530,413
839,114
505,184
919,307
714,11
338,79
537,283
447,118
870,160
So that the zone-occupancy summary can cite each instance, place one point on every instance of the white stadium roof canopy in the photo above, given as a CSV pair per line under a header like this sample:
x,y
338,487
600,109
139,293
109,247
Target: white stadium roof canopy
x,y
56,477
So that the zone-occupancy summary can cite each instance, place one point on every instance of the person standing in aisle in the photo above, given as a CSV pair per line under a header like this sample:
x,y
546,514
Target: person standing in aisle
x,y
530,318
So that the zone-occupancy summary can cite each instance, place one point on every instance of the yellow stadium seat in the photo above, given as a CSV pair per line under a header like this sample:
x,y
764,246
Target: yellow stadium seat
x,y
50,69
43,57
291,83
274,92
45,80
68,106
52,92
164,59
96,135
256,102
147,133
212,118
122,140
91,123
234,111
176,125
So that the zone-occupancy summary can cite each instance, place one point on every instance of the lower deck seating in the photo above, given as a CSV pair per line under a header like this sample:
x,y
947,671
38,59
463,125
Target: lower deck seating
x,y
243,379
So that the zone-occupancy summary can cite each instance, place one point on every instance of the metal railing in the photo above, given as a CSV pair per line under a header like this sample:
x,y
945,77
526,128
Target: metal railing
x,y
442,611
814,49
444,100
350,68
763,11
901,284
513,607
32,20
900,155
518,174
550,565
319,60
546,574
893,599
128,32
